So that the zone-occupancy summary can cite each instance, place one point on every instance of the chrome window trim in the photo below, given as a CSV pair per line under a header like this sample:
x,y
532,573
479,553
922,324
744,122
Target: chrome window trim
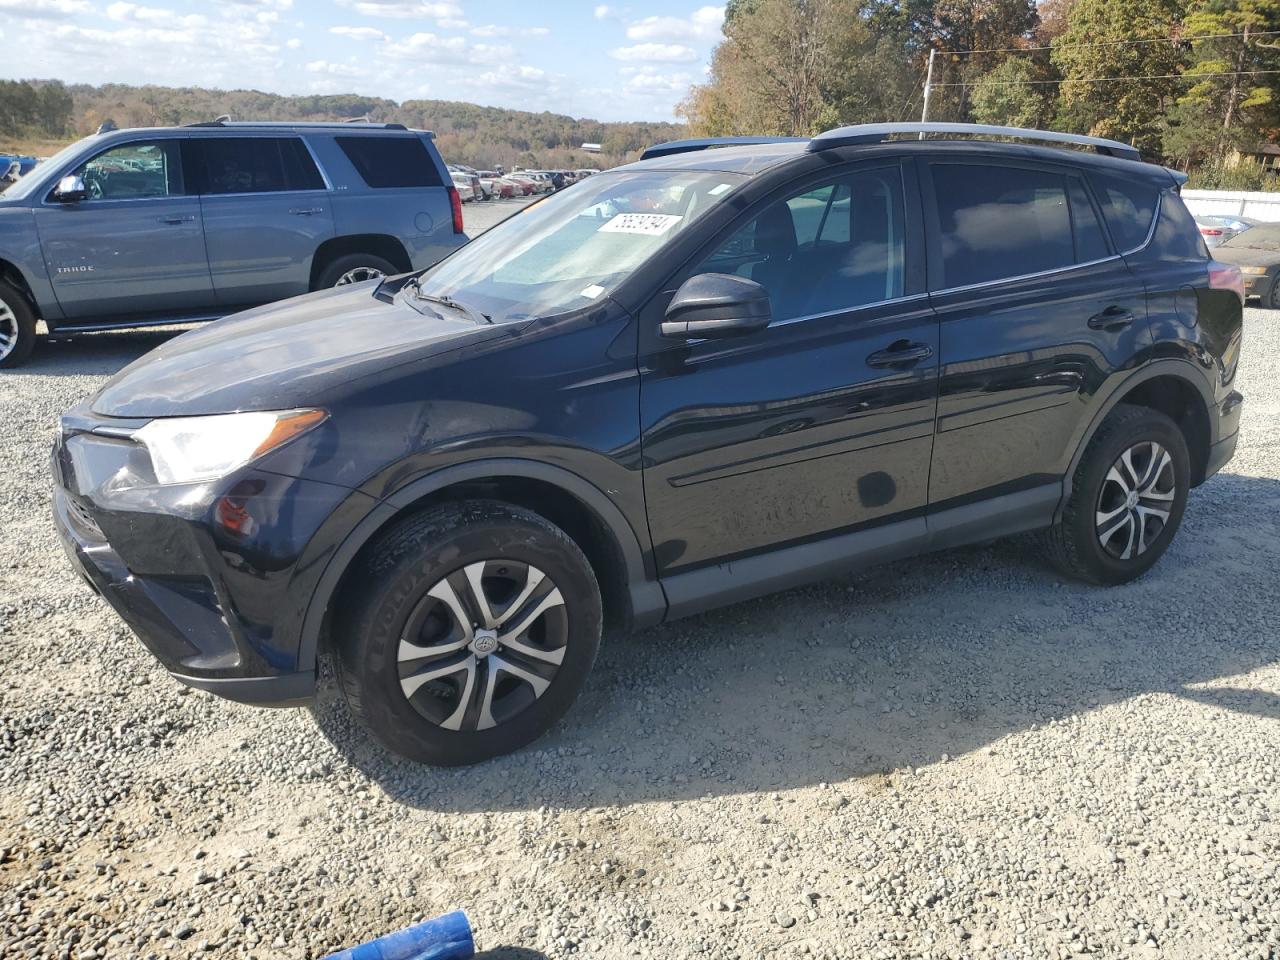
x,y
258,193
852,309
324,174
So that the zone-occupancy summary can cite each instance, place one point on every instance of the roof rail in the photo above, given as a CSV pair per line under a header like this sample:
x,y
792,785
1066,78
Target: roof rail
x,y
706,143
879,132
298,123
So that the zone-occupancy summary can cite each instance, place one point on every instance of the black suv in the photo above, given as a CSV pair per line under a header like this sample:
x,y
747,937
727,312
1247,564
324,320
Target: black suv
x,y
695,379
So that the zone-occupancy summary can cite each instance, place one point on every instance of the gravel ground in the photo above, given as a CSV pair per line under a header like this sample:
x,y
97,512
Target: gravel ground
x,y
957,756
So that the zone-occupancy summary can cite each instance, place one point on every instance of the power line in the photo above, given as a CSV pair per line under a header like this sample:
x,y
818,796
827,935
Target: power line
x,y
1119,43
1150,76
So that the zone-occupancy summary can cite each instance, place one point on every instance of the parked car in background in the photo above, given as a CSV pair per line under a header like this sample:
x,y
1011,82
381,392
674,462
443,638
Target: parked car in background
x,y
472,178
177,224
463,183
1256,252
692,380
526,184
1218,229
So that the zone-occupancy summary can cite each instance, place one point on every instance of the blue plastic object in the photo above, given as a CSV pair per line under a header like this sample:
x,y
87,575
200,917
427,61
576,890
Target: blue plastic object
x,y
444,938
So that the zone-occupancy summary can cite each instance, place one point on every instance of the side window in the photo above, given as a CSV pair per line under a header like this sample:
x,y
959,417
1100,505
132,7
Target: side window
x,y
386,162
1000,222
1090,243
1176,232
1128,206
254,165
834,247
134,171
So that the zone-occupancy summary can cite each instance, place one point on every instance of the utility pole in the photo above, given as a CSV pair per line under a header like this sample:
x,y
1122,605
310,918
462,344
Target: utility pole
x,y
928,89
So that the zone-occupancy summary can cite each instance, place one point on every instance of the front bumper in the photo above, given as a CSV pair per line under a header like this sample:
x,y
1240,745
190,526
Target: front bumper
x,y
214,579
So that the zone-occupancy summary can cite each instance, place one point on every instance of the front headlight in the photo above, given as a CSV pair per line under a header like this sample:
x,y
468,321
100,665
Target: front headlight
x,y
191,449
1254,271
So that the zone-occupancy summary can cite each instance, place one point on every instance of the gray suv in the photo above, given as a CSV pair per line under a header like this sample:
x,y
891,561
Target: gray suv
x,y
160,225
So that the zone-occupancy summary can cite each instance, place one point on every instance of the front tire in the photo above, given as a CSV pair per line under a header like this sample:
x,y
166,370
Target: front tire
x,y
469,632
17,327
353,268
1271,300
1127,498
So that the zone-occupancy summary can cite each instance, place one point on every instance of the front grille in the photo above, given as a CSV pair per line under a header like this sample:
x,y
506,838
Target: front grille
x,y
83,519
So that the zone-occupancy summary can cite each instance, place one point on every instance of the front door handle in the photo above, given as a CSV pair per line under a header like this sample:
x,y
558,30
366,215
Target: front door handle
x,y
1111,319
900,354
306,211
190,218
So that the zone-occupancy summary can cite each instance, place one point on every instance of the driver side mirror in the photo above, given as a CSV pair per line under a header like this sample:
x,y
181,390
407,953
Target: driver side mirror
x,y
713,305
70,189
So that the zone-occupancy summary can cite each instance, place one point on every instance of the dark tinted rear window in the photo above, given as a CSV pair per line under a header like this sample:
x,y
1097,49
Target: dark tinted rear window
x,y
221,165
1128,206
1000,222
1176,232
391,161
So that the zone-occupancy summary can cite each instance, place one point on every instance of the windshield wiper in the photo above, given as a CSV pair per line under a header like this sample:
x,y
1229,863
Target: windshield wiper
x,y
472,314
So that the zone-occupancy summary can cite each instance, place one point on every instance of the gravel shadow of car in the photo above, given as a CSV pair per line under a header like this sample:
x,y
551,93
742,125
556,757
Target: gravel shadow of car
x,y
899,666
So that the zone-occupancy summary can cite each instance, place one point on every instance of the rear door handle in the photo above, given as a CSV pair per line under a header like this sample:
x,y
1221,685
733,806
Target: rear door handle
x,y
1111,319
900,354
306,211
189,218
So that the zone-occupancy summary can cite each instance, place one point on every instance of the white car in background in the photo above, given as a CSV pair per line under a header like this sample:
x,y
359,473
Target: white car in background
x,y
461,181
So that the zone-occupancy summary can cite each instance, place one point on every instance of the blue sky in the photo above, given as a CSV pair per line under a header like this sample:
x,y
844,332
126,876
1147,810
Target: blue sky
x,y
611,62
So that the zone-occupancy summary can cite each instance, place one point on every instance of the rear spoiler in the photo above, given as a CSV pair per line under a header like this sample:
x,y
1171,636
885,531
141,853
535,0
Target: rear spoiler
x,y
1178,177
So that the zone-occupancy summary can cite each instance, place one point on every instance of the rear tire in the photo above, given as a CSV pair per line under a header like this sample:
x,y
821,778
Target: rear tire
x,y
469,631
1272,299
1127,499
17,327
354,268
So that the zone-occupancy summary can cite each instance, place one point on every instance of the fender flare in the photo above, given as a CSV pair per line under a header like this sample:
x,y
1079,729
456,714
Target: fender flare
x,y
648,602
1184,370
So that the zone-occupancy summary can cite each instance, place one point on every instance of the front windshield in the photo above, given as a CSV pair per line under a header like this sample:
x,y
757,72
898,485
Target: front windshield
x,y
575,246
28,184
1256,238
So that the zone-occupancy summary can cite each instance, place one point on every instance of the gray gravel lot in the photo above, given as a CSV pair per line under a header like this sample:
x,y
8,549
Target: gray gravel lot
x,y
957,756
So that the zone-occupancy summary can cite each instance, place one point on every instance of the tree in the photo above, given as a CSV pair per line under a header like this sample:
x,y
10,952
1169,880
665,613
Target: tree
x,y
1095,97
1226,106
1011,95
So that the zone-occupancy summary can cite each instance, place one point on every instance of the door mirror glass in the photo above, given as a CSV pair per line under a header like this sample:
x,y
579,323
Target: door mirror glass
x,y
716,305
70,189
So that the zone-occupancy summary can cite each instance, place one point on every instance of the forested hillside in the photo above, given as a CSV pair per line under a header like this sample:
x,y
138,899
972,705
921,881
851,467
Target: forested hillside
x,y
465,132
1187,81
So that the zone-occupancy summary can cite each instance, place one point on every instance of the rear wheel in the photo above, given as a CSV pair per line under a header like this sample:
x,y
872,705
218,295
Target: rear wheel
x,y
1127,499
353,268
17,327
1271,299
470,633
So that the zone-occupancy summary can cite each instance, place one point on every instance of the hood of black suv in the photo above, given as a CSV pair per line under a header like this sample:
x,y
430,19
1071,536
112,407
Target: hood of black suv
x,y
285,355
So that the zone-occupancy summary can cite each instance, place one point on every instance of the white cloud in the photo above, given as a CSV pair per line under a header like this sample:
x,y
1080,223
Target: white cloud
x,y
358,33
656,53
493,30
334,69
602,11
703,24
647,83
293,43
449,23
408,9
44,9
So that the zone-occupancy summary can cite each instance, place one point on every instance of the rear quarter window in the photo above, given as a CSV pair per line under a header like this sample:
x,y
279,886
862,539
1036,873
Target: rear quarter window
x,y
1128,207
1177,236
389,162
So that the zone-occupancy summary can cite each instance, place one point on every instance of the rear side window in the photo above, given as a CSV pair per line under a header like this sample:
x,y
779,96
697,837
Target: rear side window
x,y
385,162
1001,222
1177,235
225,165
1128,207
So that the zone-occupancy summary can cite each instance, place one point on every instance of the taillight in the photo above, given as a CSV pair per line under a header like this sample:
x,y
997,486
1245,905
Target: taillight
x,y
1210,232
1226,276
455,203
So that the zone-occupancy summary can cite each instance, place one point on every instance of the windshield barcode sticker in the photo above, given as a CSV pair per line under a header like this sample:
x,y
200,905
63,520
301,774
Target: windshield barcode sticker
x,y
648,224
592,291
